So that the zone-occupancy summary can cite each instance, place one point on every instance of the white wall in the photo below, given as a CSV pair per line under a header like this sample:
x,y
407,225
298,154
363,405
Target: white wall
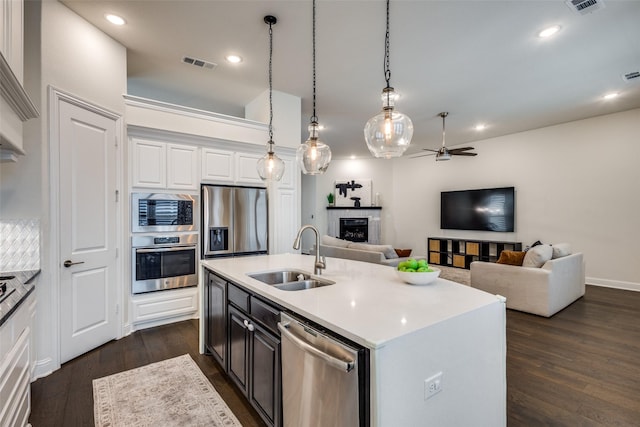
x,y
62,50
380,171
576,182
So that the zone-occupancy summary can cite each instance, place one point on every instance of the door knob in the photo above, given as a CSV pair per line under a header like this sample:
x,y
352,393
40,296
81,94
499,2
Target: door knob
x,y
68,263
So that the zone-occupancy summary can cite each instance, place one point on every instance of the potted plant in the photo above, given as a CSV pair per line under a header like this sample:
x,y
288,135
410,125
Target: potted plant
x,y
330,199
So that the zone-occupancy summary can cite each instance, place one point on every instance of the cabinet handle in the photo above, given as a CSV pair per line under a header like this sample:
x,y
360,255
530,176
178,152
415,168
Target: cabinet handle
x,y
249,326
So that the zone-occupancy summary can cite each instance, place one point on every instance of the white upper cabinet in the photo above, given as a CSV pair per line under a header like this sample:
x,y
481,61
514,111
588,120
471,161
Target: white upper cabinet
x,y
218,165
182,167
164,165
247,169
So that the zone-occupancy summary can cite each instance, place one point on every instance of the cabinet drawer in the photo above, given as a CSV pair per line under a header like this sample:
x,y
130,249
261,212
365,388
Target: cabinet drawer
x,y
473,248
434,258
264,313
459,261
239,297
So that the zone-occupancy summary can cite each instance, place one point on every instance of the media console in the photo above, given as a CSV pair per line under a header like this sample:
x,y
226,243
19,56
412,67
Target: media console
x,y
462,252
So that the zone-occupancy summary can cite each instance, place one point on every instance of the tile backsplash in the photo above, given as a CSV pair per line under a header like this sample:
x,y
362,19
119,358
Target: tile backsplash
x,y
19,244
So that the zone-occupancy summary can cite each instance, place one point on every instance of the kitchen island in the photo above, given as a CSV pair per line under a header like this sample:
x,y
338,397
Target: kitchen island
x,y
413,334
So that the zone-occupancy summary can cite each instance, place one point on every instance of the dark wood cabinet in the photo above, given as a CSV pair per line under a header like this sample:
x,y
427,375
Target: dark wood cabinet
x,y
239,348
462,252
241,334
215,312
254,364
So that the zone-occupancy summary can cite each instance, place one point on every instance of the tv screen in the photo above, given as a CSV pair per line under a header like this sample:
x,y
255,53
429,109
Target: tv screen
x,y
490,209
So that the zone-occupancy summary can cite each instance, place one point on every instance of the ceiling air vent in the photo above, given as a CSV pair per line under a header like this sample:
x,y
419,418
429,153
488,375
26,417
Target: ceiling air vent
x,y
585,6
199,63
633,76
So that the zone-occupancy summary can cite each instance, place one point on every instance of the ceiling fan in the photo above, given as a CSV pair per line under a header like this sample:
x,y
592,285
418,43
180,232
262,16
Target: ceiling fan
x,y
445,153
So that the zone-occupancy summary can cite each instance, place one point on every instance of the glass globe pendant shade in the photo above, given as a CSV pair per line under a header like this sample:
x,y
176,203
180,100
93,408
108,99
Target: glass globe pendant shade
x,y
270,166
388,134
313,156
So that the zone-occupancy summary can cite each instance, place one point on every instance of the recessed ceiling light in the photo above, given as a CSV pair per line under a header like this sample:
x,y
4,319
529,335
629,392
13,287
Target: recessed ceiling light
x,y
480,127
353,157
611,95
115,19
234,59
548,32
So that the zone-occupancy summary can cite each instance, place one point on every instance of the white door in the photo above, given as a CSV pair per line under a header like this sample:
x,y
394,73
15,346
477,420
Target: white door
x,y
87,224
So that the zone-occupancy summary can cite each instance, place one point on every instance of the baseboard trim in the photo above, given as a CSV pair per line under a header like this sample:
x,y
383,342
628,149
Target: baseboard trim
x,y
43,368
617,284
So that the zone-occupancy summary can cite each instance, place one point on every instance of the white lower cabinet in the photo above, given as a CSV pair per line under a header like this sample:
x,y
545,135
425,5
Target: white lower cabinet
x,y
158,308
15,366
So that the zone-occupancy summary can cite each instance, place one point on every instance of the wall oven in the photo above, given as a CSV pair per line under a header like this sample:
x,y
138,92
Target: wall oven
x,y
161,262
162,212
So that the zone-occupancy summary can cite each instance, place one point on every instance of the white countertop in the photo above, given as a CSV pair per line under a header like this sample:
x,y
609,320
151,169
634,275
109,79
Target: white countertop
x,y
368,304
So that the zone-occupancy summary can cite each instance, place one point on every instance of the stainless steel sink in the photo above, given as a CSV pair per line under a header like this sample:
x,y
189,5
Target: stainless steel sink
x,y
277,277
290,280
304,284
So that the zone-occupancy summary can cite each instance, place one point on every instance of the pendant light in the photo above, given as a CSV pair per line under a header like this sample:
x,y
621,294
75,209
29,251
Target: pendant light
x,y
388,134
313,155
443,153
270,166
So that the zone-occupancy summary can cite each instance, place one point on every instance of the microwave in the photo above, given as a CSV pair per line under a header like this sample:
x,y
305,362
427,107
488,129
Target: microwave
x,y
162,212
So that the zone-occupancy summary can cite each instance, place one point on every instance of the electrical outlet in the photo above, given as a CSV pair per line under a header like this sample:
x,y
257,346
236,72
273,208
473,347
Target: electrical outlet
x,y
432,385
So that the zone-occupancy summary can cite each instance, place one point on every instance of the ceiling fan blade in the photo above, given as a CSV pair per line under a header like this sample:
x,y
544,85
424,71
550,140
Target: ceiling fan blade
x,y
454,150
462,154
429,149
417,155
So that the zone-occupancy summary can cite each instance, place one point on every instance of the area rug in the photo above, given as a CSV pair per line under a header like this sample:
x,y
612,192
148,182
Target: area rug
x,y
173,392
459,275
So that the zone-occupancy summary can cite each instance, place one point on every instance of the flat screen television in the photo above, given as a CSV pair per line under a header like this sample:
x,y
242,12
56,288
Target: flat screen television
x,y
490,209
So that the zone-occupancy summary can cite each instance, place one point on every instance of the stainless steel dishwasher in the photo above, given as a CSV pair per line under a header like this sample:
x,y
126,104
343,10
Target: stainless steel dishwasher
x,y
320,382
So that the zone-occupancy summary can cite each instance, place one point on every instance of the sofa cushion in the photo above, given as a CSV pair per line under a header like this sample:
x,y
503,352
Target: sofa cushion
x,y
511,257
386,250
334,241
560,250
537,256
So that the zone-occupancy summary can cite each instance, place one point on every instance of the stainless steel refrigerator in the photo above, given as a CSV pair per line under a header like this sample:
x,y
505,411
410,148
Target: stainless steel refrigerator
x,y
234,221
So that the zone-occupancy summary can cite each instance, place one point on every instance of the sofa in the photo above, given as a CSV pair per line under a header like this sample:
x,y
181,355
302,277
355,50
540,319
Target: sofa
x,y
542,286
378,254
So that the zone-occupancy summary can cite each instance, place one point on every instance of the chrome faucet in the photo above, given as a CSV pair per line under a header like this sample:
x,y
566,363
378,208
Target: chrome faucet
x,y
320,261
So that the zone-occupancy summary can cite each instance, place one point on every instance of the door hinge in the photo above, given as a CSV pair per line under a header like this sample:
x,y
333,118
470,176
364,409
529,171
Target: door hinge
x,y
117,308
117,253
117,195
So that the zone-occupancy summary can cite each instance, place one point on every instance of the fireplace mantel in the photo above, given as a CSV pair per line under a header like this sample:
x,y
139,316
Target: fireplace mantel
x,y
353,207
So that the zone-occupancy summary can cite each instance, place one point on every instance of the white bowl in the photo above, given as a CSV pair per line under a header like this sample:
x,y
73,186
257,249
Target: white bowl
x,y
419,278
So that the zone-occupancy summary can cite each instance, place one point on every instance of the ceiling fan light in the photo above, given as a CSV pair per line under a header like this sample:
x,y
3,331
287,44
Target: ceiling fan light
x,y
443,154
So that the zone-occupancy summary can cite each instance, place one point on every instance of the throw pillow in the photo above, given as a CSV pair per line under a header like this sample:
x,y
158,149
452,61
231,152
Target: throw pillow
x,y
386,250
511,257
560,250
334,241
537,256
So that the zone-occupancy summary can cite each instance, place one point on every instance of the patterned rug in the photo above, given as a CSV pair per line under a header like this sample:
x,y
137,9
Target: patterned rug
x,y
459,275
173,392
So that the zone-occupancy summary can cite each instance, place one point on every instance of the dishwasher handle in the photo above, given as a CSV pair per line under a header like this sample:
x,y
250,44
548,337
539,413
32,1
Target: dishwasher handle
x,y
336,363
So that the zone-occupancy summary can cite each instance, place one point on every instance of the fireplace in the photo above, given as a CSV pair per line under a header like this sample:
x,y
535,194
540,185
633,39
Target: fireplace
x,y
354,229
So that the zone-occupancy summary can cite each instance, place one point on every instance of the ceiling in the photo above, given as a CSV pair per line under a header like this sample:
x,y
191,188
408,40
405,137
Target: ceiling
x,y
481,61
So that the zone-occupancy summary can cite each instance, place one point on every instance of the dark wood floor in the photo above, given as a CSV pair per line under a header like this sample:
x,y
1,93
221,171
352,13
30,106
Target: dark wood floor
x,y
579,368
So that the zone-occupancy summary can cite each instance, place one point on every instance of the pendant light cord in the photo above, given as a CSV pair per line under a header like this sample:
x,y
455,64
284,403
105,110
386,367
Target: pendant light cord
x,y
314,118
387,68
270,87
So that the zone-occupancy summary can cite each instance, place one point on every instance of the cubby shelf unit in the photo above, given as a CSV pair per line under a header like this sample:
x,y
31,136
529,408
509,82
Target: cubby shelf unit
x,y
462,252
